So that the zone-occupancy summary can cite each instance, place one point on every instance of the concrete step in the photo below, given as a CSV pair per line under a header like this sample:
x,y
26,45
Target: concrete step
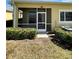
x,y
42,36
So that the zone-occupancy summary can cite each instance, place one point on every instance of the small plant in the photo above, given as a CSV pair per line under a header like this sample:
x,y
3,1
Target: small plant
x,y
20,33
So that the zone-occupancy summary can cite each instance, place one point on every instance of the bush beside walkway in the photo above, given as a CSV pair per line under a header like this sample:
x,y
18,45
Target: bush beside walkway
x,y
20,33
64,35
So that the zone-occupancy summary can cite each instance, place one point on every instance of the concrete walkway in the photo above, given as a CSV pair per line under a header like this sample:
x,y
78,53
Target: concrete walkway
x,y
42,36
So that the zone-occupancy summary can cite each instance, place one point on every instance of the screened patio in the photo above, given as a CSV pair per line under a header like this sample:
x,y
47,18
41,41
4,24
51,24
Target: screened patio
x,y
29,18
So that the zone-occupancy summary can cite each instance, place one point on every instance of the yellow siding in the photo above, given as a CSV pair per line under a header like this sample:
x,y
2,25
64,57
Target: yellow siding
x,y
55,13
55,10
9,15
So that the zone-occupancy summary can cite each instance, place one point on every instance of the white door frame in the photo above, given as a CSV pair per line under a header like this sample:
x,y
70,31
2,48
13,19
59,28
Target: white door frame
x,y
44,30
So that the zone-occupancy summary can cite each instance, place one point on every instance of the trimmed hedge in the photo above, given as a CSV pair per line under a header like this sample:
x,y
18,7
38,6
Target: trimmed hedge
x,y
20,33
64,35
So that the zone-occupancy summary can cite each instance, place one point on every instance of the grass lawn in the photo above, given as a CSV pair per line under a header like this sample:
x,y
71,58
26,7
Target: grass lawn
x,y
36,49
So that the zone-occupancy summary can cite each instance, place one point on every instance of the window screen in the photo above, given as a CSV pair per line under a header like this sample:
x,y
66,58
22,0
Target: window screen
x,y
32,17
68,16
62,16
65,16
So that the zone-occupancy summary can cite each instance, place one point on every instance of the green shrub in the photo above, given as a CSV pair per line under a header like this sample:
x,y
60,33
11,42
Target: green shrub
x,y
64,35
20,33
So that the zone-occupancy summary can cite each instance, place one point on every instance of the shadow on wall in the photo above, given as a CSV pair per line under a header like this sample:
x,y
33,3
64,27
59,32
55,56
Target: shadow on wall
x,y
9,23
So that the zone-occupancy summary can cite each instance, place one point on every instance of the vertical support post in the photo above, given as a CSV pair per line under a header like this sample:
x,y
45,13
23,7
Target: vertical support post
x,y
52,20
37,19
15,16
46,18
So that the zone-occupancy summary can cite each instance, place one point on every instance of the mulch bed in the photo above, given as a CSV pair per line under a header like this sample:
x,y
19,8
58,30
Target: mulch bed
x,y
60,42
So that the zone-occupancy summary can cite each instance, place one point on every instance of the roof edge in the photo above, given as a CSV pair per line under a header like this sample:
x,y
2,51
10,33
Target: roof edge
x,y
21,1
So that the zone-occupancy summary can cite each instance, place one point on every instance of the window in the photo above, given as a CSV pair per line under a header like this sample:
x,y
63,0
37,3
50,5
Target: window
x,y
20,14
66,16
62,16
32,17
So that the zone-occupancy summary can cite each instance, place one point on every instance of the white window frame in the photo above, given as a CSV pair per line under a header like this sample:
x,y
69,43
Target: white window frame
x,y
64,16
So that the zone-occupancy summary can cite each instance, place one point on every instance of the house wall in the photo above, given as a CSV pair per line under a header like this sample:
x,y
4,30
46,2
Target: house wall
x,y
8,15
54,10
56,14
